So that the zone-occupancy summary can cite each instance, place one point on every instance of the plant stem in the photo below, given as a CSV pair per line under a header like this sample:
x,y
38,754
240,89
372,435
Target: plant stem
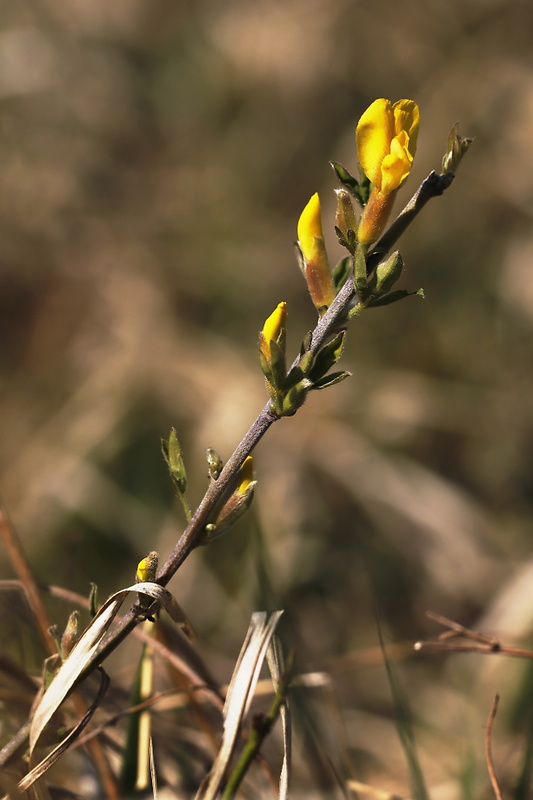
x,y
335,317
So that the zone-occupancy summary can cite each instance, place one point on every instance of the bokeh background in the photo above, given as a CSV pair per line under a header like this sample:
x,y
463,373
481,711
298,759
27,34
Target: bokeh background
x,y
154,159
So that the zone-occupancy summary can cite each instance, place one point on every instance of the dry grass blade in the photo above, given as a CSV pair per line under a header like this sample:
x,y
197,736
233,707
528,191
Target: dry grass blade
x,y
28,582
44,765
239,696
276,665
364,790
488,748
153,773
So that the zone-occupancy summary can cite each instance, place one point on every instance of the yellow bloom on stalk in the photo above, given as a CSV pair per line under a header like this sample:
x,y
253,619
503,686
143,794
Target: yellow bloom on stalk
x,y
310,229
275,323
386,138
315,259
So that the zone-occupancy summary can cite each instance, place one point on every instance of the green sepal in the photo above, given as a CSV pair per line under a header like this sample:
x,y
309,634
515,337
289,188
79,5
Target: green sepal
x,y
360,273
331,380
365,187
327,357
393,297
358,189
278,366
349,241
274,372
299,257
214,463
306,344
295,397
265,366
342,272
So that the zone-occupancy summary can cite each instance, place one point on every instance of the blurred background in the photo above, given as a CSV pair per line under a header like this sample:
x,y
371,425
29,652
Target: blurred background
x,y
154,159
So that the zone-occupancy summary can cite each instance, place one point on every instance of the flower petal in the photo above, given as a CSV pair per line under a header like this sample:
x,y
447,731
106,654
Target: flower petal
x,y
396,165
310,227
407,118
373,136
275,323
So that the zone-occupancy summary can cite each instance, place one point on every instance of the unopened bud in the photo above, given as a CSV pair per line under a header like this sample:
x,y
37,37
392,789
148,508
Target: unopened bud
x,y
345,219
147,568
172,454
214,463
238,502
295,397
315,264
70,634
456,148
387,273
273,330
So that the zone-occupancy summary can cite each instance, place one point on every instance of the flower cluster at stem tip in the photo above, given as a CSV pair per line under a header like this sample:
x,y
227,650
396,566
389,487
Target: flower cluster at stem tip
x,y
386,138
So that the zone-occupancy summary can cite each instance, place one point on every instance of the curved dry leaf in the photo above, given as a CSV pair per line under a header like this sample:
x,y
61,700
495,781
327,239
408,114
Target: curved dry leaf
x,y
87,646
69,672
169,603
44,765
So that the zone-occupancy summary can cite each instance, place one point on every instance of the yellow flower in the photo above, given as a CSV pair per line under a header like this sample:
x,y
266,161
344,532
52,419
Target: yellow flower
x,y
310,229
315,259
275,323
386,139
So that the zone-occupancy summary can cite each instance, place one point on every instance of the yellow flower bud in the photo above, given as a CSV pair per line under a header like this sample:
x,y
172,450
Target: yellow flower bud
x,y
237,503
310,228
345,219
147,568
275,323
315,259
246,476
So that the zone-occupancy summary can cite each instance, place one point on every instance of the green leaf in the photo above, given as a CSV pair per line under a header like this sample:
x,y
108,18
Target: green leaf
x,y
306,344
328,356
347,180
360,189
393,297
342,272
331,380
295,397
365,187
